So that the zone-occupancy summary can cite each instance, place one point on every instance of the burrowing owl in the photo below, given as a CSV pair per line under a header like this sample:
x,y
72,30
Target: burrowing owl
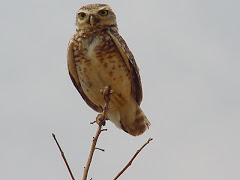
x,y
98,56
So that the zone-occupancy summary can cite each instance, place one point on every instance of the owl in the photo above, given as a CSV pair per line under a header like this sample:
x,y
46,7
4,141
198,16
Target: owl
x,y
97,57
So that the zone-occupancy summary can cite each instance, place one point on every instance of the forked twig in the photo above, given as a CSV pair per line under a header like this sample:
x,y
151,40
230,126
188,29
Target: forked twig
x,y
63,156
130,162
101,122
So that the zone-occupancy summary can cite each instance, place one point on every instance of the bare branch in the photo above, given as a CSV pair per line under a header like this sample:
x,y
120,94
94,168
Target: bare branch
x,y
130,162
94,142
101,122
63,156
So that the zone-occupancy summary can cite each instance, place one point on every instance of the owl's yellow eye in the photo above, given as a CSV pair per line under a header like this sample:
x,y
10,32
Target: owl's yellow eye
x,y
81,15
103,12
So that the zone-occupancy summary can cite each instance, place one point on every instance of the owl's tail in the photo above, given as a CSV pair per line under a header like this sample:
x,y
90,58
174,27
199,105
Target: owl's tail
x,y
130,118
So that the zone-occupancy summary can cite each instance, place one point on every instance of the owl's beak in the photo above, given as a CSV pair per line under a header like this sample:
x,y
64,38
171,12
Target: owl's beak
x,y
92,21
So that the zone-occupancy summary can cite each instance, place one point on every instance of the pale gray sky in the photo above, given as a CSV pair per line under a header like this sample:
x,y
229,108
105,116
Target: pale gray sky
x,y
188,54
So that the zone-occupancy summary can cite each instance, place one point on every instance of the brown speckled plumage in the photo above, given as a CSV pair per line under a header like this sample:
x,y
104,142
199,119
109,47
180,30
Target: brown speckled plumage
x,y
98,56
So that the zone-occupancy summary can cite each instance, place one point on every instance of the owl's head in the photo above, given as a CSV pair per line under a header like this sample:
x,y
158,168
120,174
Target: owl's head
x,y
95,15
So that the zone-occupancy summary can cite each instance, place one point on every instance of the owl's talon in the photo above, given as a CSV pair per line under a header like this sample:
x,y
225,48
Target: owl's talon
x,y
106,91
100,119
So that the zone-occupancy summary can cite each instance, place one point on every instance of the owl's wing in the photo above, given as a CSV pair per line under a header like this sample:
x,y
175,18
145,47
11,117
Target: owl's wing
x,y
75,79
129,62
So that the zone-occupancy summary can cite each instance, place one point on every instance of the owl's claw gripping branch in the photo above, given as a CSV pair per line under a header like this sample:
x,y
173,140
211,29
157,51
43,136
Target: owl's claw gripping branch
x,y
102,117
106,92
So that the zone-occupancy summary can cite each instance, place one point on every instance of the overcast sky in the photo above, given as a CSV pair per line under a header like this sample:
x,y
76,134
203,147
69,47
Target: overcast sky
x,y
189,60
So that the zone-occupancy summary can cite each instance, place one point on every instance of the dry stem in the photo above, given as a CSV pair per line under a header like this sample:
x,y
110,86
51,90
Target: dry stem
x,y
130,162
63,156
101,122
91,152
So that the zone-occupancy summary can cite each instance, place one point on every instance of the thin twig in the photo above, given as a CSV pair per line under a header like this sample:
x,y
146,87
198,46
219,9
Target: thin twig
x,y
63,156
100,149
93,122
130,162
101,122
94,142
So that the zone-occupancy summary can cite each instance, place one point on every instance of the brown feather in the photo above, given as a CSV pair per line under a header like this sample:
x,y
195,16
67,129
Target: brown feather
x,y
74,77
130,63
